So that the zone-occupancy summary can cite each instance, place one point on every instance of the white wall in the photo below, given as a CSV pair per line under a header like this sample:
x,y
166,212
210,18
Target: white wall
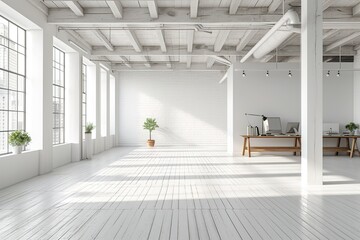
x,y
190,107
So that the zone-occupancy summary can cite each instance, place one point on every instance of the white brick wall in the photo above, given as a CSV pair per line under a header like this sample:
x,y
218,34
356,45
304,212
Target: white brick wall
x,y
190,107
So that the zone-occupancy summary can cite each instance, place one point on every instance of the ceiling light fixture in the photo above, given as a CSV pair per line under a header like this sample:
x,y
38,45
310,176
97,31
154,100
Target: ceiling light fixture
x,y
290,74
244,74
328,73
267,73
338,73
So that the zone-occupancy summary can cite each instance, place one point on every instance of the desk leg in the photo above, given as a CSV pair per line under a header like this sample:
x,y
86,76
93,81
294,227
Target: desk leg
x,y
244,146
338,145
348,145
296,141
352,147
249,147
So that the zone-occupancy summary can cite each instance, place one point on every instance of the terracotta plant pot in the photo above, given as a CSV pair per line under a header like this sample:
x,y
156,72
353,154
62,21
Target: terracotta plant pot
x,y
151,143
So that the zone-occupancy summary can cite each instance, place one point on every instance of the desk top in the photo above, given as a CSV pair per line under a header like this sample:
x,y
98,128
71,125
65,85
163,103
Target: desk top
x,y
299,136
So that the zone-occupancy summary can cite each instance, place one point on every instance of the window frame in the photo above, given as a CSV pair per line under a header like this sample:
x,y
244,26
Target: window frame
x,y
61,128
7,47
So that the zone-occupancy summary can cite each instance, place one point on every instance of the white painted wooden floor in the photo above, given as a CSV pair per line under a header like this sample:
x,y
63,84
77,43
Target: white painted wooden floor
x,y
189,193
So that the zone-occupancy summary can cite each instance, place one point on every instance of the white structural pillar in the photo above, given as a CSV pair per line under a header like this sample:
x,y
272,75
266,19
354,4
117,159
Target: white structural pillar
x,y
233,102
117,109
99,140
73,91
108,137
357,88
311,92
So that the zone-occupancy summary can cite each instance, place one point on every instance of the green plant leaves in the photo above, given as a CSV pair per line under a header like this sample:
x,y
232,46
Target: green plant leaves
x,y
19,138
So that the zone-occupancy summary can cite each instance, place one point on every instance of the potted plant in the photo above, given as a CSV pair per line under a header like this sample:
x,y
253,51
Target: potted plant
x,y
18,139
89,127
150,124
352,127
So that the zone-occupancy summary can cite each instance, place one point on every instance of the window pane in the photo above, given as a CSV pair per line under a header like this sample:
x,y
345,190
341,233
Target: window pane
x,y
4,27
13,121
21,121
13,81
21,101
13,101
12,61
4,59
21,64
13,32
3,79
3,121
58,96
21,84
21,37
3,142
4,96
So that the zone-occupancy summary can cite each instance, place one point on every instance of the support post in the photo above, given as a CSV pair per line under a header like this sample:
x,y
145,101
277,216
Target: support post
x,y
311,92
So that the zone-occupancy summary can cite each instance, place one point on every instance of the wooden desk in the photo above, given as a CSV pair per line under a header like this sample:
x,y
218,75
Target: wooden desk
x,y
297,144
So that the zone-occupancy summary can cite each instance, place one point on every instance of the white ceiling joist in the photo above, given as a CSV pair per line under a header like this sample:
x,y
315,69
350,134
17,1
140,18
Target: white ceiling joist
x,y
220,40
140,16
356,10
330,33
210,62
40,5
342,41
234,6
190,40
160,35
175,51
249,34
274,6
134,40
188,61
125,62
80,40
104,40
153,9
75,7
116,8
194,8
327,4
162,68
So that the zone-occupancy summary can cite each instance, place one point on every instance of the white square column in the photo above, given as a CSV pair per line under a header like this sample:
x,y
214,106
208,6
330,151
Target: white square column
x,y
311,92
233,108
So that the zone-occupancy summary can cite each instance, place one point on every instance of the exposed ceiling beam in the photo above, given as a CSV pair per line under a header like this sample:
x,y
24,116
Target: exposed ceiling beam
x,y
168,63
327,4
220,40
221,60
75,7
234,6
134,40
188,61
190,40
160,35
216,16
356,10
342,42
210,62
116,8
330,33
182,51
249,34
40,5
194,8
253,18
153,9
125,62
79,39
162,68
104,39
147,61
274,6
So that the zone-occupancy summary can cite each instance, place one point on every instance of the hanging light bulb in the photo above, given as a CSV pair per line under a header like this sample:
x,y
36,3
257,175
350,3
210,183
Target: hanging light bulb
x,y
338,73
267,73
244,74
290,74
328,73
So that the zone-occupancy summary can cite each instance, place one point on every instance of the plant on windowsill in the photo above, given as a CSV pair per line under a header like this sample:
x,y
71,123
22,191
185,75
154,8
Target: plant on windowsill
x,y
89,127
18,140
150,124
352,127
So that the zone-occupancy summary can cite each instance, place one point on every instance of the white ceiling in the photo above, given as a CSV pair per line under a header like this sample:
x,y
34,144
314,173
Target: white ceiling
x,y
143,46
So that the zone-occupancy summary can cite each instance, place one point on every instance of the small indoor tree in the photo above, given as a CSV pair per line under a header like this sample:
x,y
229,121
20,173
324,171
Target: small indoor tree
x,y
89,127
150,124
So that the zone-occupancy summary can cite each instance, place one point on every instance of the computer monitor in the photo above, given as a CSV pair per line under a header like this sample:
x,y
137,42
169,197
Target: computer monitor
x,y
272,125
292,127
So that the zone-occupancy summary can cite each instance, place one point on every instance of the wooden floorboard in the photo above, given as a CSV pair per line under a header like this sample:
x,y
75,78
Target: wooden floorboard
x,y
184,193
